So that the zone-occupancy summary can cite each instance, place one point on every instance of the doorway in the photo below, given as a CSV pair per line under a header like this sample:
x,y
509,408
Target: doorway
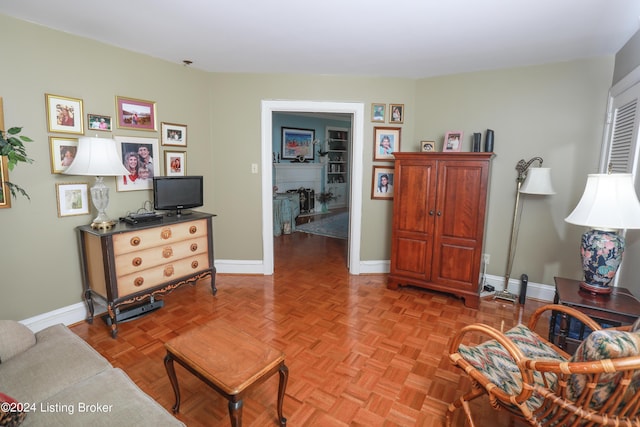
x,y
355,212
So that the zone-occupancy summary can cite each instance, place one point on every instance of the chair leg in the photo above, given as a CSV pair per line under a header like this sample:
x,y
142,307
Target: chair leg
x,y
462,402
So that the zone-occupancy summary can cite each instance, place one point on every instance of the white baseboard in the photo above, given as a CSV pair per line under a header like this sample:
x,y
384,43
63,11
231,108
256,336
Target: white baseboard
x,y
66,315
539,291
78,312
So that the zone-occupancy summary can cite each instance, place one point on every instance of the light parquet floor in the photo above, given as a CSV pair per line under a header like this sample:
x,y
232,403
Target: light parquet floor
x,y
358,354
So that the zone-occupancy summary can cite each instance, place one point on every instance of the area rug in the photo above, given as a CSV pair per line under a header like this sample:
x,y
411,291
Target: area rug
x,y
331,226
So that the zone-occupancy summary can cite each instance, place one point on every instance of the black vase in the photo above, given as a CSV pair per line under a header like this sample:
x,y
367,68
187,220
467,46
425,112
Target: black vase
x,y
488,141
477,137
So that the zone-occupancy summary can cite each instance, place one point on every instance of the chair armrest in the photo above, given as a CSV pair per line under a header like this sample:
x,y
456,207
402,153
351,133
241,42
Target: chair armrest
x,y
517,355
14,339
578,315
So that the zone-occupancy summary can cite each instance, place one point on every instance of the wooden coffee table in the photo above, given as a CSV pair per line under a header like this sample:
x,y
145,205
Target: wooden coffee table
x,y
228,360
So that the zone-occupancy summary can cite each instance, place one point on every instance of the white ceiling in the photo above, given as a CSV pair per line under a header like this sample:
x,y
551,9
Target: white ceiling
x,y
389,38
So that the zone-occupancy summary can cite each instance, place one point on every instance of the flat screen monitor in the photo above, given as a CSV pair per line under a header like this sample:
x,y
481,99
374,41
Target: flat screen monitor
x,y
175,193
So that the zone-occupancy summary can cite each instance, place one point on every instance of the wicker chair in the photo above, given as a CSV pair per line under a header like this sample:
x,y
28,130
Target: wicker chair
x,y
543,385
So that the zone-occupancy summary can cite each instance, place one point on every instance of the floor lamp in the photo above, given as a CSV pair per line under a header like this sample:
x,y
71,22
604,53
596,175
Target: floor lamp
x,y
529,181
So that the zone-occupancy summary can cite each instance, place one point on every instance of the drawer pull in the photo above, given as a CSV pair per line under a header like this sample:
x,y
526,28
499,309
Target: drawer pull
x,y
138,282
135,241
136,262
194,247
168,271
167,252
194,264
193,229
166,233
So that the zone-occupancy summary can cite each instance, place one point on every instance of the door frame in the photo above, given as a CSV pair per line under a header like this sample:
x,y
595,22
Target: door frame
x,y
268,107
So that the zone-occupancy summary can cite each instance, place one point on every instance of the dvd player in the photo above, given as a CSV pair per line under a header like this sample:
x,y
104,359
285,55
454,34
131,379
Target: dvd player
x,y
142,217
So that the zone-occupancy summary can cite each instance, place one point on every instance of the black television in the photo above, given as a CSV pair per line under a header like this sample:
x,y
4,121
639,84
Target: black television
x,y
175,193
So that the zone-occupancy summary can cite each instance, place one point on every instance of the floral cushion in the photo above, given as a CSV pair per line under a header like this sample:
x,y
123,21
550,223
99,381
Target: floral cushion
x,y
495,362
10,415
600,345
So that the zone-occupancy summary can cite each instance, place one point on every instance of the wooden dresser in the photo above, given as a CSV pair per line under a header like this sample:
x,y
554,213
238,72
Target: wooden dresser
x,y
438,222
130,265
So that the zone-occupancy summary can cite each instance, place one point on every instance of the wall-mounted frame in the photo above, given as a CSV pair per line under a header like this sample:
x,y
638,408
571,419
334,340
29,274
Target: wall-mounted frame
x,y
396,113
386,141
139,157
382,183
63,151
298,143
174,134
175,163
428,146
64,114
378,113
98,122
5,194
452,141
73,199
135,114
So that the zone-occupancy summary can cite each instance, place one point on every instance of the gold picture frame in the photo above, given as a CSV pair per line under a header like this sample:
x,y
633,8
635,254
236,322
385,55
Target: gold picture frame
x,y
63,152
73,199
382,183
175,163
64,114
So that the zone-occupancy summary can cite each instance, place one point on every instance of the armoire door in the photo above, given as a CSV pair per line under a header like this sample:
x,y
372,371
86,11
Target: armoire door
x,y
459,225
414,216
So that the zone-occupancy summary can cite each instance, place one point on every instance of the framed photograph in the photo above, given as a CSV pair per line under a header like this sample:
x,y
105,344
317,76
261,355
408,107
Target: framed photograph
x,y
452,141
298,143
428,146
382,183
378,112
98,122
396,113
174,134
5,194
175,163
64,115
386,141
73,199
135,114
63,151
138,157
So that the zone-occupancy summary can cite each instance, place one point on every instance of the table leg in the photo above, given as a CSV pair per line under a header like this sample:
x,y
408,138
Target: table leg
x,y
282,385
235,412
171,372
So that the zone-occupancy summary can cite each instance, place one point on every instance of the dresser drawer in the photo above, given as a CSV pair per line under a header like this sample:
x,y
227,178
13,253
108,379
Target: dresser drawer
x,y
143,239
132,262
140,281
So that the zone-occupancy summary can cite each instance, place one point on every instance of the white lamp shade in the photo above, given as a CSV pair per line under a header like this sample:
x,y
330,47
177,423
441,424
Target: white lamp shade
x,y
609,202
96,157
538,181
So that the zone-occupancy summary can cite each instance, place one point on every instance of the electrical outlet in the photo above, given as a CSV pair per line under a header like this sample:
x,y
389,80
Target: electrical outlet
x,y
486,258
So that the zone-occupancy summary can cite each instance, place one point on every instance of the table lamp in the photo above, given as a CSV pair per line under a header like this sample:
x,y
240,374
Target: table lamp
x,y
528,181
98,157
609,204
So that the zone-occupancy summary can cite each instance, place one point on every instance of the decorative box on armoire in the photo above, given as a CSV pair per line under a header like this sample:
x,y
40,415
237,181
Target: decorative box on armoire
x,y
439,208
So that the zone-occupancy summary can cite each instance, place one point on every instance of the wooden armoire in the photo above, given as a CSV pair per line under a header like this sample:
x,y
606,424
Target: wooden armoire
x,y
439,208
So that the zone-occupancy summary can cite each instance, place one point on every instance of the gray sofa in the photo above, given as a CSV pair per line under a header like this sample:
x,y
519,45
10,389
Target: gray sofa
x,y
62,381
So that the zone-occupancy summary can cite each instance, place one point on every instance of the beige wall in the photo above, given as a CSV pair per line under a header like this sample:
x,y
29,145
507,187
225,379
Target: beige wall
x,y
554,111
40,263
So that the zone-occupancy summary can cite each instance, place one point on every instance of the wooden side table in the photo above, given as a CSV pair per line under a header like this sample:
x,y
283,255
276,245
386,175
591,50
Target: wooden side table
x,y
228,360
615,309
